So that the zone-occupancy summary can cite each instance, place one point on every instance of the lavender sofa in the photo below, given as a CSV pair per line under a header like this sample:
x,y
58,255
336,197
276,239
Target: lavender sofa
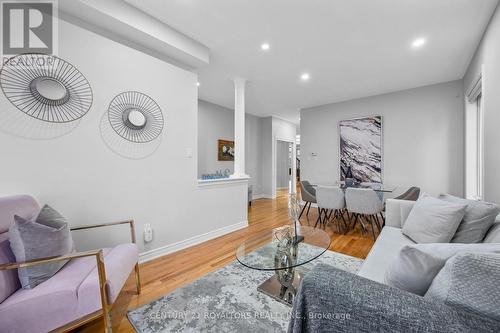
x,y
83,290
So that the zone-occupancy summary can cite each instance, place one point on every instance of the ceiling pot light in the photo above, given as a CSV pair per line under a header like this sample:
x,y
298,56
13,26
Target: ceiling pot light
x,y
197,84
305,77
265,46
418,43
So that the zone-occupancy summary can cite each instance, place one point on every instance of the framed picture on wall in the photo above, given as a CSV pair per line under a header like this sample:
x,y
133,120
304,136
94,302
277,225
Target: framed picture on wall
x,y
361,149
225,150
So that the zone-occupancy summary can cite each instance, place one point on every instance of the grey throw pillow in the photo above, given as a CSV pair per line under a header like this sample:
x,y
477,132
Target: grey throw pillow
x,y
9,282
493,235
433,220
48,235
417,265
469,281
478,218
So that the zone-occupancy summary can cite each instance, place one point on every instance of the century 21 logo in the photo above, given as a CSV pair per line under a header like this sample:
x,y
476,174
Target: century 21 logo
x,y
27,27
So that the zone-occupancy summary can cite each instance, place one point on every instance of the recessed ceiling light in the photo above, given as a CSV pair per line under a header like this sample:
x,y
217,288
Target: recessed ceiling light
x,y
305,77
418,43
197,84
265,46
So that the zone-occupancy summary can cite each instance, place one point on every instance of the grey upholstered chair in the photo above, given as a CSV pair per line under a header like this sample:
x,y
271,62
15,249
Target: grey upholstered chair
x,y
331,200
365,206
308,195
411,194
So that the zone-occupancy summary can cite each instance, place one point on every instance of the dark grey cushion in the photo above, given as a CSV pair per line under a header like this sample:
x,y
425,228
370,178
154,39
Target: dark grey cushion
x,y
469,281
48,235
332,300
478,218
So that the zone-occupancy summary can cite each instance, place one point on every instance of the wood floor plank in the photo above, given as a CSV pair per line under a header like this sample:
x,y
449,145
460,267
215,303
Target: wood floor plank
x,y
165,274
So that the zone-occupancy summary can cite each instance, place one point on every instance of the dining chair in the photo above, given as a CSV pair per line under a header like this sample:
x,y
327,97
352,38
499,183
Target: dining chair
x,y
331,200
365,206
411,194
308,195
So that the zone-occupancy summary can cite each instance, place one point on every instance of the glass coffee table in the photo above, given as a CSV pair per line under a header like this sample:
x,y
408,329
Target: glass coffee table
x,y
276,251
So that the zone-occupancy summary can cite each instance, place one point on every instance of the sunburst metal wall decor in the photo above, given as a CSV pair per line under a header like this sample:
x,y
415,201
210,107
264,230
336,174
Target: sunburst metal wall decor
x,y
46,87
136,117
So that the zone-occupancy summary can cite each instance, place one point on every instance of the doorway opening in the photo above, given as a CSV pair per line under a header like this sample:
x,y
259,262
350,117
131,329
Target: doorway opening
x,y
284,165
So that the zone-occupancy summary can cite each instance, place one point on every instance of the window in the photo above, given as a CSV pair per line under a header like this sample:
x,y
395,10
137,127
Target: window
x,y
474,142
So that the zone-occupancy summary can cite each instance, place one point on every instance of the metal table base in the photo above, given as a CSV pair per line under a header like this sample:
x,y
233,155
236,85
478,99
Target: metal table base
x,y
284,293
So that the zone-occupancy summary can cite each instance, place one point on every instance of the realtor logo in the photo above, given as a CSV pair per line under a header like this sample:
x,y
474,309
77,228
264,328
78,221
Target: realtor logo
x,y
28,27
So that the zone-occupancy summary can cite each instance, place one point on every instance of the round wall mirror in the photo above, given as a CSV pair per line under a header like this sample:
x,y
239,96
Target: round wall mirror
x,y
137,118
49,89
134,118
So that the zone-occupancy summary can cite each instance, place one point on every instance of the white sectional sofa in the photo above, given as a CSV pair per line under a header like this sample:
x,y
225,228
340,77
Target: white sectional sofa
x,y
391,240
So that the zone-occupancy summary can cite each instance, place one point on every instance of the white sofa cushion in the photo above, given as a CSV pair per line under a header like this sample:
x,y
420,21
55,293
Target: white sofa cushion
x,y
393,212
385,249
405,207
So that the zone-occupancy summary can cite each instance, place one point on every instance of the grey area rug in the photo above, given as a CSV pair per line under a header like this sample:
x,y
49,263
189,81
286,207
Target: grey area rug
x,y
227,300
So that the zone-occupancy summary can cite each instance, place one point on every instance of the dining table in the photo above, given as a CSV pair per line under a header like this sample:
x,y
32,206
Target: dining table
x,y
377,187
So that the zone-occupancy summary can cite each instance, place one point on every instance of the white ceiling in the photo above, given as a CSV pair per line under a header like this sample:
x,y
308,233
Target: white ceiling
x,y
351,48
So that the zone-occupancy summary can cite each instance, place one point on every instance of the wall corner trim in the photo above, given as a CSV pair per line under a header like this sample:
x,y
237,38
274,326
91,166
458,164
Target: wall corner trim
x,y
171,248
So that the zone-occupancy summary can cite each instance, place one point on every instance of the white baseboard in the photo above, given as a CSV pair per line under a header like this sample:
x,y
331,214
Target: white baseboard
x,y
266,196
259,196
164,250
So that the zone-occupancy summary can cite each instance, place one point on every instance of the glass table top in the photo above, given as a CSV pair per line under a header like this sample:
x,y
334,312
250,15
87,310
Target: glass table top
x,y
273,250
377,187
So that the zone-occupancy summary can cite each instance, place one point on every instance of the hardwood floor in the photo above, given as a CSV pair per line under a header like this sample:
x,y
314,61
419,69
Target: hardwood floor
x,y
170,272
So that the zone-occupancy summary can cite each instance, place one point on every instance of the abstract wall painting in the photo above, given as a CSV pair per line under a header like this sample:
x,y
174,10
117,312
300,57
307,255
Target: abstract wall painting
x,y
361,149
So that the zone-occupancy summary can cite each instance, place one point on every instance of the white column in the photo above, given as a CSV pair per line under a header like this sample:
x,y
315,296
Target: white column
x,y
239,128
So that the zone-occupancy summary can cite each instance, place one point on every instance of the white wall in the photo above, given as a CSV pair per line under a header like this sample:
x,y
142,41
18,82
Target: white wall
x,y
267,157
488,54
272,130
79,176
253,152
216,122
283,129
423,137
